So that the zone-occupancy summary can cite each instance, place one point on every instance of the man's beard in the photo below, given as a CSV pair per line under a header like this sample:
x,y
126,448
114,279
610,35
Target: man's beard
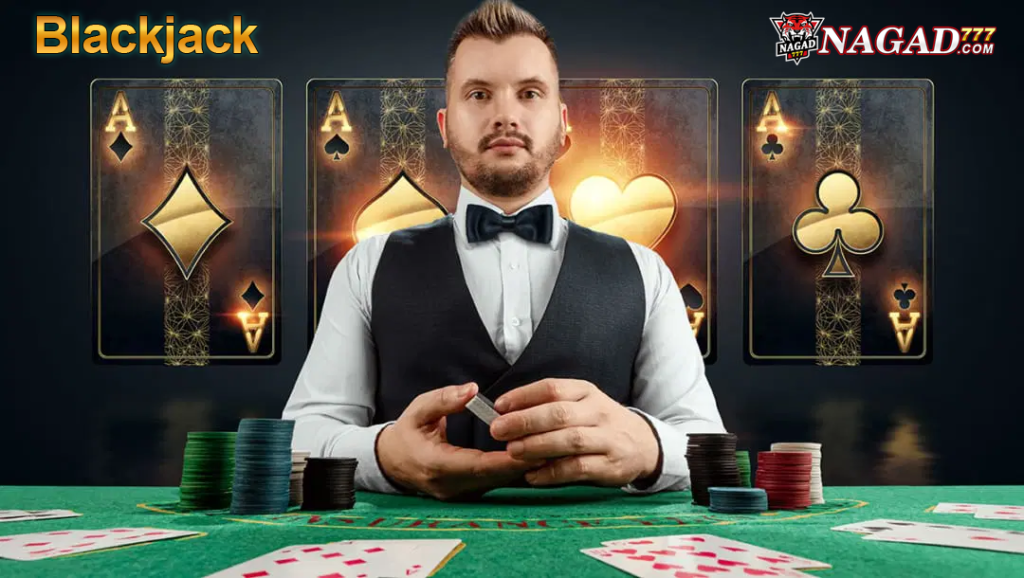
x,y
505,182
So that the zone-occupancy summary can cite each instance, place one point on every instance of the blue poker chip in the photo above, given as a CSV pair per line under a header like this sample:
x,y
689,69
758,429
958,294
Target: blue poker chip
x,y
263,466
738,500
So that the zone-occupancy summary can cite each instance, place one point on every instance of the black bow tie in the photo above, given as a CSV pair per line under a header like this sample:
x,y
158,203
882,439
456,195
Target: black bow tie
x,y
533,224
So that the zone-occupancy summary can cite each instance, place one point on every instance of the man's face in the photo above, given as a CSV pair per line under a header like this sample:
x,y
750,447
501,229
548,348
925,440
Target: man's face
x,y
504,121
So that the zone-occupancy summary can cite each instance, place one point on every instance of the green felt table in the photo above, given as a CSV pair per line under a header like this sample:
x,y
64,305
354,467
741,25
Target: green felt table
x,y
513,532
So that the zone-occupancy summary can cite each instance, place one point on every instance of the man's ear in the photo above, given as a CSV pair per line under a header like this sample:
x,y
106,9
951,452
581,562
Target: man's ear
x,y
442,113
565,121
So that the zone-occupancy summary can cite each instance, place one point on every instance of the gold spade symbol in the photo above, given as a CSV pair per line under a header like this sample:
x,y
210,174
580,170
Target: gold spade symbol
x,y
838,224
642,212
400,205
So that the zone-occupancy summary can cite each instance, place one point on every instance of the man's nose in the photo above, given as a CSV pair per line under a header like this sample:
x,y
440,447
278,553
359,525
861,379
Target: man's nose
x,y
506,114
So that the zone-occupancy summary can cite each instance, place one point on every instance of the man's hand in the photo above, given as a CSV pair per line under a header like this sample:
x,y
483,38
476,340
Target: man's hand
x,y
415,453
583,434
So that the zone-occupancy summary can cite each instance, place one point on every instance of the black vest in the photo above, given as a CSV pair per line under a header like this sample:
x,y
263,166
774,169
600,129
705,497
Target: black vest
x,y
428,333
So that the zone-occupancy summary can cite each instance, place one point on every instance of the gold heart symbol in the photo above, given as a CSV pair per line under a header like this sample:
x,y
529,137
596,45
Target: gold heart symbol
x,y
642,212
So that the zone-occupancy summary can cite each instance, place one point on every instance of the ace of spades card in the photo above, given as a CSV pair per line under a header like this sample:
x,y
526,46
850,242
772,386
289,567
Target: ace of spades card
x,y
186,203
837,221
640,162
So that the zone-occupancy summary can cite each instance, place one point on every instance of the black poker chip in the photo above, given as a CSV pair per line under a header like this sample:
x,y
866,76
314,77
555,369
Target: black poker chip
x,y
712,461
329,484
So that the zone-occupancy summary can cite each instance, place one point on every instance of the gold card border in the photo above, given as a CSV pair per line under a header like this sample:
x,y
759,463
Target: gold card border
x,y
96,208
748,208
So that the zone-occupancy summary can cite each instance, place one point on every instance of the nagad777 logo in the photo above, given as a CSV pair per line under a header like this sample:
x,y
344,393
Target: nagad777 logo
x,y
798,35
801,34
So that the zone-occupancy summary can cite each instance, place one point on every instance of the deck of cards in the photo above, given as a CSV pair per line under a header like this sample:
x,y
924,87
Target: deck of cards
x,y
938,535
365,558
482,408
700,554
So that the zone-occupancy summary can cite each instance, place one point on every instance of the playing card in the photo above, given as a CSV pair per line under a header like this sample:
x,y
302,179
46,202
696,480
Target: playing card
x,y
305,560
640,162
883,525
406,557
680,562
989,512
958,538
30,515
838,201
755,555
186,220
953,508
358,558
42,545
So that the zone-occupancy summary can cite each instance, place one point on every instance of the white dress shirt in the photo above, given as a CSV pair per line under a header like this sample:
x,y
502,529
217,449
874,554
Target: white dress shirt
x,y
511,281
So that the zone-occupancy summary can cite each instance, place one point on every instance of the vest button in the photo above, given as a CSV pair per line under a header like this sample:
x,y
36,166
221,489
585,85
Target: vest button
x,y
514,321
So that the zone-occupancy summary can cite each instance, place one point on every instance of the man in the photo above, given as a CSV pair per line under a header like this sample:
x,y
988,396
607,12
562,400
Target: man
x,y
581,338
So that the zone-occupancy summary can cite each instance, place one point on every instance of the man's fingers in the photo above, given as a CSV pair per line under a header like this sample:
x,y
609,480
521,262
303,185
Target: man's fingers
x,y
543,418
431,406
543,391
456,461
571,441
588,468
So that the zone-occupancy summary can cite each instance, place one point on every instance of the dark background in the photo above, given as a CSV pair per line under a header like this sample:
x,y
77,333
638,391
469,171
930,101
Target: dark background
x,y
956,421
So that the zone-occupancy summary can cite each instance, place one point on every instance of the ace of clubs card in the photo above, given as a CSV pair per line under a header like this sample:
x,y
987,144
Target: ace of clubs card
x,y
640,162
837,221
186,217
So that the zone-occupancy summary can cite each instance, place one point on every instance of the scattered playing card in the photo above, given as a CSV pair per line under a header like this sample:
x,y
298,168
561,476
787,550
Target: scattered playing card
x,y
29,515
953,508
357,558
724,546
987,512
649,561
967,538
876,526
42,545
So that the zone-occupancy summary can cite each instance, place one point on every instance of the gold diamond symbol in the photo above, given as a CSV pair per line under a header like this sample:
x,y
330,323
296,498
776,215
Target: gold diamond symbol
x,y
186,222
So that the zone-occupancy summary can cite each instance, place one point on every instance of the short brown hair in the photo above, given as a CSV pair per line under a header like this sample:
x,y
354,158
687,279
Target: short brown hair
x,y
497,20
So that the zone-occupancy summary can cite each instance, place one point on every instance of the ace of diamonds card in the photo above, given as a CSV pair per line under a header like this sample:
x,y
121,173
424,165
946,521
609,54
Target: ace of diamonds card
x,y
640,163
838,212
186,211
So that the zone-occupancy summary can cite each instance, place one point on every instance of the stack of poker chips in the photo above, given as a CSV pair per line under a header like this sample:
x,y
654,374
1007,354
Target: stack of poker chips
x,y
329,484
263,465
786,476
743,465
208,470
712,461
295,483
738,500
817,491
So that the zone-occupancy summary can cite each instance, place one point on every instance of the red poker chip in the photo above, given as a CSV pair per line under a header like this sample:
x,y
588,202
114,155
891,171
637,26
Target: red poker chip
x,y
785,458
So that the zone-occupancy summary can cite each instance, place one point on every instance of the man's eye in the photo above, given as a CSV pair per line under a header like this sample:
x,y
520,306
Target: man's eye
x,y
478,95
531,94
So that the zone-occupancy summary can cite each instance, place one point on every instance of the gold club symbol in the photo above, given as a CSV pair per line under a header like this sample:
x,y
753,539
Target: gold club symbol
x,y
838,224
186,222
